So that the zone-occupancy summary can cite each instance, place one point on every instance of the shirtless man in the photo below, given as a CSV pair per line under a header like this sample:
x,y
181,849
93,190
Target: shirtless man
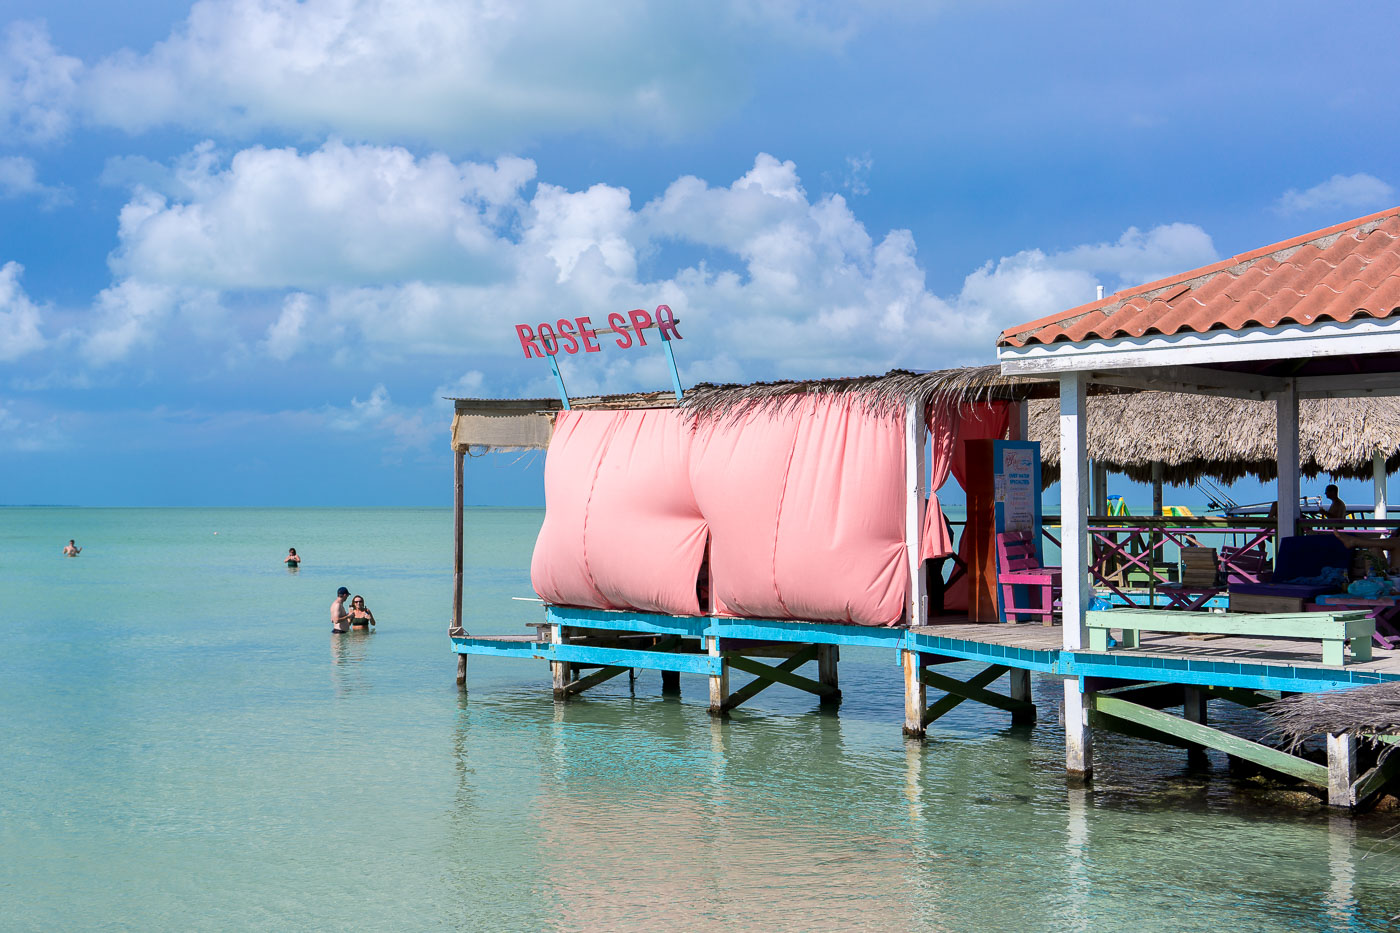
x,y
340,618
1336,508
71,549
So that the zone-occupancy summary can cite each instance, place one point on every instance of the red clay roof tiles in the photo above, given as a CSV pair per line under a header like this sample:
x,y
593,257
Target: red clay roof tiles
x,y
1343,272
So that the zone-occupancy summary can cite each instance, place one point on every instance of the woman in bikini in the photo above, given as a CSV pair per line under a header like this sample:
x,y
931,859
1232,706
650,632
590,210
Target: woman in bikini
x,y
360,617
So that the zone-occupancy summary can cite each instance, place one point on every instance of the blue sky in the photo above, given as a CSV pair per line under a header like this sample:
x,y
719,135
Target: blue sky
x,y
247,245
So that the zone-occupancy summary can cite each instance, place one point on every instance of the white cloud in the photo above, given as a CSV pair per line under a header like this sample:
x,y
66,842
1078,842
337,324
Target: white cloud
x,y
406,428
19,316
19,178
275,218
37,85
453,73
371,255
1359,192
24,433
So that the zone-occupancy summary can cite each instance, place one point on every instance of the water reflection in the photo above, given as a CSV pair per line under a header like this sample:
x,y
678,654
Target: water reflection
x,y
1341,869
348,653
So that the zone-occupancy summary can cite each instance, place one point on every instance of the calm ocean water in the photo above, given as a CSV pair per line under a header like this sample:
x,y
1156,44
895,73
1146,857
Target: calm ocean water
x,y
183,745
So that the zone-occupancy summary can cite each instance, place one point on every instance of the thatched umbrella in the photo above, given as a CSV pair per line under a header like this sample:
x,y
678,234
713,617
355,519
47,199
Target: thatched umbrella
x,y
1224,438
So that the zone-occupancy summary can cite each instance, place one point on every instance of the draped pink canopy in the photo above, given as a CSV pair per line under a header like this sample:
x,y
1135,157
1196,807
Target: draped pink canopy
x,y
803,509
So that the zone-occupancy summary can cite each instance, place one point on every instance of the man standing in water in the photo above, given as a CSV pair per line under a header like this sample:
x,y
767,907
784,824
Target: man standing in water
x,y
71,550
340,618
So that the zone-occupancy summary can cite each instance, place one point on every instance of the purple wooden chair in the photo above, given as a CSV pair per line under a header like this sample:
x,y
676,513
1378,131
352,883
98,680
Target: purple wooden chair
x,y
1017,565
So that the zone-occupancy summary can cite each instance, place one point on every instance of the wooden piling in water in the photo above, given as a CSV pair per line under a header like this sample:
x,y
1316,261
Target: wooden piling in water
x,y
915,695
827,658
719,683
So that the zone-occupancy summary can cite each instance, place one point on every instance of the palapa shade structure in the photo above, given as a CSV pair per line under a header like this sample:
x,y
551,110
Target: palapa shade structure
x,y
1224,438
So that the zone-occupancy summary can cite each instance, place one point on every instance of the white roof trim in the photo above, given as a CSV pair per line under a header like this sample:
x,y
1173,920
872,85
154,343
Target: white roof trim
x,y
1293,341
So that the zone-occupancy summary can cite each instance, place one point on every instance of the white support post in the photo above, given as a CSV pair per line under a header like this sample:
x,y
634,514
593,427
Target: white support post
x,y
915,469
719,683
1023,420
1100,489
1074,499
1341,770
1378,481
1288,486
1079,739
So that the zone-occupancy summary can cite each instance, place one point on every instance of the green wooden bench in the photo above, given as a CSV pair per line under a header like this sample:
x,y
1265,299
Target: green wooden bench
x,y
1333,629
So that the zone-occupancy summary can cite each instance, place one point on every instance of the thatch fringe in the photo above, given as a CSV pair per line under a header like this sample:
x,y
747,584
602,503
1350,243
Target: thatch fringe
x,y
1360,711
1224,438
882,395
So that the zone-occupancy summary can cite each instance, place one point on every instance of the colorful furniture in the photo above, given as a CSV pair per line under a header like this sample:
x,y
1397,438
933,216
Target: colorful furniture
x,y
1384,611
1017,565
1335,629
1302,562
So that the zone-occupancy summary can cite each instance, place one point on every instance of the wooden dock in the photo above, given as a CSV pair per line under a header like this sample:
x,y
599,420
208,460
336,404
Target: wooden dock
x,y
1123,689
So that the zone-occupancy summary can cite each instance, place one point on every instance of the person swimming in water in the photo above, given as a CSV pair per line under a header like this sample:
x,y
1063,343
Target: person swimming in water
x,y
292,561
340,618
360,616
71,549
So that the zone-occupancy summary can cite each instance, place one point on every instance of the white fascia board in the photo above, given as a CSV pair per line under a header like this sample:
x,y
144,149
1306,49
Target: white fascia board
x,y
1294,341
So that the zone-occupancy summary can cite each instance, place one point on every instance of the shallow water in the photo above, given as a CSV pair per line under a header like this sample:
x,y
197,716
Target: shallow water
x,y
185,746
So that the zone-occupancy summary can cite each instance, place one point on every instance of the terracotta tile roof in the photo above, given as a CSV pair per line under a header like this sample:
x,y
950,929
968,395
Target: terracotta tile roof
x,y
1343,272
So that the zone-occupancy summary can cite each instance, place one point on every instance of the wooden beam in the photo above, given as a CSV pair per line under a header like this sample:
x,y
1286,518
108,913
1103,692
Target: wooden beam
x,y
1378,484
915,697
1074,495
593,679
915,440
461,670
1341,769
560,672
458,505
1262,755
828,657
719,683
1239,695
783,674
1375,780
971,689
762,682
1079,737
1288,461
1020,690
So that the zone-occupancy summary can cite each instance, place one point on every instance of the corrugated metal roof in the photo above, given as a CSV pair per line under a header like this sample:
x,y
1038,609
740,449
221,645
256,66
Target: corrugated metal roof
x,y
1337,274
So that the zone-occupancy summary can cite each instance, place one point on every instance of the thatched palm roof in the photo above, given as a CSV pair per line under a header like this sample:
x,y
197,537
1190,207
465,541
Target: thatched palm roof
x,y
883,394
1226,438
1369,710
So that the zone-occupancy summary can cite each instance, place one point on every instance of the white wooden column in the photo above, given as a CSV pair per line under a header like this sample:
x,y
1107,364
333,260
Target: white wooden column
x,y
1378,481
1288,487
1074,500
915,471
1074,558
1341,770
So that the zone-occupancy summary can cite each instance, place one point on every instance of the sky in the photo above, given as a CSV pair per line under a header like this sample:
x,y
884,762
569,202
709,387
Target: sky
x,y
248,246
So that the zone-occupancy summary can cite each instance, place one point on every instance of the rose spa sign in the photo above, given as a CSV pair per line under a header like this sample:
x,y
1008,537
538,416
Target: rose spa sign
x,y
575,334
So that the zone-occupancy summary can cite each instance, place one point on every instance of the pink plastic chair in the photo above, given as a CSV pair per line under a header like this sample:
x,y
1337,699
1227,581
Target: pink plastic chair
x,y
1017,565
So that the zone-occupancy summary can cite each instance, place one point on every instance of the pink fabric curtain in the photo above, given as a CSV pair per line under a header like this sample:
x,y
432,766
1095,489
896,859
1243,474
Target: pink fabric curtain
x,y
803,509
935,540
621,529
806,510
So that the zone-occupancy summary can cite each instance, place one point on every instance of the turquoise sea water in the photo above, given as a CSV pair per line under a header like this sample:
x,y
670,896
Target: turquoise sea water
x,y
184,745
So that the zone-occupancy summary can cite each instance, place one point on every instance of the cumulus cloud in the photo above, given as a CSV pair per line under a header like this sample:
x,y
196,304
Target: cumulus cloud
x,y
22,432
406,428
19,316
453,73
1358,192
378,255
19,178
38,85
